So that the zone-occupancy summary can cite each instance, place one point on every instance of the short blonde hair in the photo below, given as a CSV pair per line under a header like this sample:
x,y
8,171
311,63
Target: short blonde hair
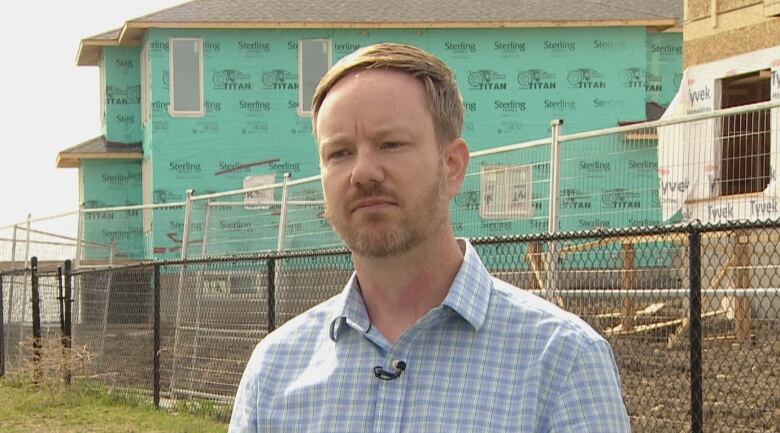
x,y
443,98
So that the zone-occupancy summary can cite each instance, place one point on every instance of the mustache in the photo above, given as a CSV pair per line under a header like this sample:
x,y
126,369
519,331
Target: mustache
x,y
376,191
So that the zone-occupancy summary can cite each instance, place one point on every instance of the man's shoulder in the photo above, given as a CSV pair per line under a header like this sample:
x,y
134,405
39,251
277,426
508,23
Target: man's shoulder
x,y
510,303
303,328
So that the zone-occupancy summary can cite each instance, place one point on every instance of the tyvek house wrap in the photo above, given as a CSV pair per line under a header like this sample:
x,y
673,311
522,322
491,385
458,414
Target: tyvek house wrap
x,y
689,154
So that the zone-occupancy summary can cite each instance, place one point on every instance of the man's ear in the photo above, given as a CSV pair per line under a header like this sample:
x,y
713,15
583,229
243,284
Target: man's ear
x,y
456,162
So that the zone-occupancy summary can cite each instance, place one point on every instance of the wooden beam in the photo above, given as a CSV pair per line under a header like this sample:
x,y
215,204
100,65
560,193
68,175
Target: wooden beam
x,y
647,311
651,309
534,258
612,315
742,276
587,246
640,136
676,238
715,283
675,337
659,325
627,274
71,160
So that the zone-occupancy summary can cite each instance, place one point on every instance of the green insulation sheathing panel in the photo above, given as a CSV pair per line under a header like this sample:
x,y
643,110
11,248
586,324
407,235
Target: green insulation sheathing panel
x,y
513,81
664,67
110,183
122,94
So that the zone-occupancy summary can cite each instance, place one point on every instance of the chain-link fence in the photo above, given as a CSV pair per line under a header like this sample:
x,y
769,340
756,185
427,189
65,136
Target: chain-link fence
x,y
692,313
31,314
52,238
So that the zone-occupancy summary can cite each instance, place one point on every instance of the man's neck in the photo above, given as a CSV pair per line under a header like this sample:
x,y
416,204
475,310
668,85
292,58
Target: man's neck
x,y
399,290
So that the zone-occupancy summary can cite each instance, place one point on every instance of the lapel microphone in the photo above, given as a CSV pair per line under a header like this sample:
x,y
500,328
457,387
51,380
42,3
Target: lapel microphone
x,y
398,368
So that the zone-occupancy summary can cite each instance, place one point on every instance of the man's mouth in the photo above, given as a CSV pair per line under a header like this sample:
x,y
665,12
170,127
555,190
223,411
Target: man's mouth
x,y
372,204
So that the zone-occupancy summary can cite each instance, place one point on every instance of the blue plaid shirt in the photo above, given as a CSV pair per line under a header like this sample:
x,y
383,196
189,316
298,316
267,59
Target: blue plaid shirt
x,y
491,358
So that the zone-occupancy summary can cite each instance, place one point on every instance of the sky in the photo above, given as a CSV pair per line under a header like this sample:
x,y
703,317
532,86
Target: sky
x,y
48,103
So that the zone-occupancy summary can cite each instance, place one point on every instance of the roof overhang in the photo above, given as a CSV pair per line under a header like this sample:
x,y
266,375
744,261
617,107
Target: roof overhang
x,y
133,31
73,160
98,148
90,49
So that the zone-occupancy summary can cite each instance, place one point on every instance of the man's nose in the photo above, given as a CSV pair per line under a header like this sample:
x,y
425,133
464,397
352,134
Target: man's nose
x,y
368,169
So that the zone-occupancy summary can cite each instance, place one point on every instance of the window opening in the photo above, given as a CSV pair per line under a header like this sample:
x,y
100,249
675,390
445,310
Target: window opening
x,y
745,140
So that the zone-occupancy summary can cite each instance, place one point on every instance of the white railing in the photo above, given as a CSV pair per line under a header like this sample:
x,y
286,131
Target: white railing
x,y
709,167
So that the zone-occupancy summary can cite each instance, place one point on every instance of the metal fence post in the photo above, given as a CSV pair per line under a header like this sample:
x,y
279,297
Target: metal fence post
x,y
283,213
61,304
11,287
184,250
555,175
24,286
156,355
271,294
199,287
79,235
77,264
107,304
206,224
36,320
185,237
695,333
553,220
742,307
68,302
2,330
13,246
27,239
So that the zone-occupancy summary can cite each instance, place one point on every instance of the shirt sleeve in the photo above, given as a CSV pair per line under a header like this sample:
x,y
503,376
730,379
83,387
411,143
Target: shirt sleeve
x,y
244,416
589,399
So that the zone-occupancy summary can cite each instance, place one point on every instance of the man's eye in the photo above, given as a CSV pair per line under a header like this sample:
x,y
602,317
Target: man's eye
x,y
392,145
337,154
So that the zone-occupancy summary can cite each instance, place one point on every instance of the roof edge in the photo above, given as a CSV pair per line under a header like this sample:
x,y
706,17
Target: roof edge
x,y
89,49
70,157
132,31
72,160
143,25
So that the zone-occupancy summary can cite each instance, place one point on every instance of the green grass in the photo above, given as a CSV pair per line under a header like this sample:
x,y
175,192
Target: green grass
x,y
56,409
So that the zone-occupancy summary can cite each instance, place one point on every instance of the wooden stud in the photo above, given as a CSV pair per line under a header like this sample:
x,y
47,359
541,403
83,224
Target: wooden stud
x,y
742,311
534,258
627,274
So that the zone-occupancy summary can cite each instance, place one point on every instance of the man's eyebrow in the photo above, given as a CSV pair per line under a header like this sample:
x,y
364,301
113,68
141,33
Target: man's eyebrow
x,y
392,130
333,140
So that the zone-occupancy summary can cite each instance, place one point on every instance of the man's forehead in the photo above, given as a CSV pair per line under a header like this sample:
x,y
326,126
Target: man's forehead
x,y
402,96
373,78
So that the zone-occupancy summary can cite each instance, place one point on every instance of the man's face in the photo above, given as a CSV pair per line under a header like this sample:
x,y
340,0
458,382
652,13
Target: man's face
x,y
382,169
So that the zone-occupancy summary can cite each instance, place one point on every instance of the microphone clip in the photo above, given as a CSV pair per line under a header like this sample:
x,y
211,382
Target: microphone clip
x,y
398,368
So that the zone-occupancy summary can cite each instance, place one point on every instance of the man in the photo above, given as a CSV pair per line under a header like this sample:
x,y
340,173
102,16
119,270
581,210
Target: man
x,y
422,339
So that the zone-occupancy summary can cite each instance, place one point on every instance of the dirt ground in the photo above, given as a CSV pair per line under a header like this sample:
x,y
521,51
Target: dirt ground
x,y
740,383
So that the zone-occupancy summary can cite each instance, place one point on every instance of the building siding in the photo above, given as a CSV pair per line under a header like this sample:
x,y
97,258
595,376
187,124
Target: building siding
x,y
731,43
514,81
122,94
109,183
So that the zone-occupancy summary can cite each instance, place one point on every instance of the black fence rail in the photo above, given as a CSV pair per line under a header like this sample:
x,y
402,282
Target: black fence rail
x,y
692,313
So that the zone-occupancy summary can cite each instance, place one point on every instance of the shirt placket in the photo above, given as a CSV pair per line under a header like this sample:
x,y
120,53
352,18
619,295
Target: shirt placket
x,y
390,403
390,410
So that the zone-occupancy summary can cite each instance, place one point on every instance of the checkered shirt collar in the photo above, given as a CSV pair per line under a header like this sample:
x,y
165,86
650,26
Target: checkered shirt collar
x,y
469,296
